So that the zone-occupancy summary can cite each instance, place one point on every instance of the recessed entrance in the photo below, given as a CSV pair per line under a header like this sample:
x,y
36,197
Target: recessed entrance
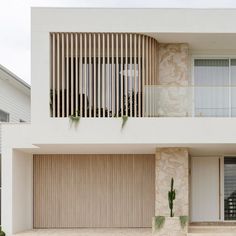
x,y
213,189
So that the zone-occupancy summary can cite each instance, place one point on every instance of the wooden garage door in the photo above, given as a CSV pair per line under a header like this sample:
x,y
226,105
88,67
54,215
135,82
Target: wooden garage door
x,y
93,190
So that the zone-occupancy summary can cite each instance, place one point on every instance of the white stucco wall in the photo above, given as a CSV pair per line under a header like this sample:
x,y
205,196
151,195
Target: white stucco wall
x,y
17,190
22,211
46,20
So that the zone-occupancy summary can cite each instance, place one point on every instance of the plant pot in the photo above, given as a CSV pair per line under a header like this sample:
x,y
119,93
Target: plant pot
x,y
170,227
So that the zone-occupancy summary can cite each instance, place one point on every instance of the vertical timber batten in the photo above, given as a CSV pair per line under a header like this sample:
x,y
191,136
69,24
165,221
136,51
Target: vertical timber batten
x,y
103,74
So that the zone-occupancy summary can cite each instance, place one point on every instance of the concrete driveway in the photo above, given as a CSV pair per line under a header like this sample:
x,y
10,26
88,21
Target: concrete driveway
x,y
89,232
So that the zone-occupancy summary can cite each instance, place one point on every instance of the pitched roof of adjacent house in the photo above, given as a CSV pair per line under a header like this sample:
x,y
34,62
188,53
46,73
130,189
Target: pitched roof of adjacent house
x,y
7,75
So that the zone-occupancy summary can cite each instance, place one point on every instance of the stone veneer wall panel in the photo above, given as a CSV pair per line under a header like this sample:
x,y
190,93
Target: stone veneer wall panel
x,y
174,64
174,95
172,162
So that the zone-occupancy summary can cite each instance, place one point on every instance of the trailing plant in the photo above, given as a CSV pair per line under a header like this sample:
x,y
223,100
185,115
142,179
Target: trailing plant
x,y
183,221
171,197
159,222
124,120
75,118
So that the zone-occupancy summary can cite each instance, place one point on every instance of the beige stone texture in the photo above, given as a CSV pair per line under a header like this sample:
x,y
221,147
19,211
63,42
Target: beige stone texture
x,y
172,162
174,64
171,227
174,96
174,101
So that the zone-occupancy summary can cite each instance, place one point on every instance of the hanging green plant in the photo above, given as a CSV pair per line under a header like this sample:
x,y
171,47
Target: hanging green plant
x,y
159,221
183,221
124,120
75,118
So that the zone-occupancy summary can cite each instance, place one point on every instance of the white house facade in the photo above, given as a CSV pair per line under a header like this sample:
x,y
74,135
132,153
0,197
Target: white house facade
x,y
124,100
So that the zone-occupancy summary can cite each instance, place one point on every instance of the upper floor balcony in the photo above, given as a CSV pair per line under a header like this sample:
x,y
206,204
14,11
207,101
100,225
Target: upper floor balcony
x,y
129,74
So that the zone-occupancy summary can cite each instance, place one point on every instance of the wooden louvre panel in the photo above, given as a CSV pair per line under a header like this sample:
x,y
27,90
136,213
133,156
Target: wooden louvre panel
x,y
90,75
126,75
103,74
99,76
67,75
63,73
122,75
139,75
135,78
109,190
52,92
130,95
143,77
117,75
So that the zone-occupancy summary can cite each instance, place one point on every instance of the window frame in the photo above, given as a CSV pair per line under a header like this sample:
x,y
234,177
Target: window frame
x,y
8,116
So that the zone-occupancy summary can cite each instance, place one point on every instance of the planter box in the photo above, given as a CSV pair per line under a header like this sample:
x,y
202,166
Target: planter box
x,y
171,227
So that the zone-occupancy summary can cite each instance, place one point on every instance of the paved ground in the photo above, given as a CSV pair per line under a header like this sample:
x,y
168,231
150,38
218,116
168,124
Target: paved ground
x,y
88,232
213,230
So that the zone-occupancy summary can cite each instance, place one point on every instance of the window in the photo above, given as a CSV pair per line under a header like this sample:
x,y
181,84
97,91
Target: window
x,y
4,116
211,87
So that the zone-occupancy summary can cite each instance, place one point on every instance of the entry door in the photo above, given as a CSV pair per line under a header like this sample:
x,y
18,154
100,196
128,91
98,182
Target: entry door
x,y
205,186
94,190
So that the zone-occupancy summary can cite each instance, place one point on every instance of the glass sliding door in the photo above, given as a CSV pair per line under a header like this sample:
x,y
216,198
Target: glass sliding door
x,y
229,188
211,87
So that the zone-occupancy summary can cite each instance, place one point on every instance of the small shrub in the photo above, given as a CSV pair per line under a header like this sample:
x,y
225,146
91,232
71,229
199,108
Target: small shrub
x,y
183,221
159,222
1,232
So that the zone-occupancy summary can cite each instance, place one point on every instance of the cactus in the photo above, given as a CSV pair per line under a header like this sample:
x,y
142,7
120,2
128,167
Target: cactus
x,y
171,197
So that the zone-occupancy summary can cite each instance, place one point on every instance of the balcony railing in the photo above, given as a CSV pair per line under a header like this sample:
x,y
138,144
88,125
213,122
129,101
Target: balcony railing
x,y
165,101
191,101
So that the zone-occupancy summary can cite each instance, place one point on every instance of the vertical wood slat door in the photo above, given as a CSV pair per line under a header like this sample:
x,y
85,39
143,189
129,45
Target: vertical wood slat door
x,y
106,190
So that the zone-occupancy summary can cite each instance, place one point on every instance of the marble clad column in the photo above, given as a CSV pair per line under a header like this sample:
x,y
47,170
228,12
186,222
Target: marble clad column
x,y
172,162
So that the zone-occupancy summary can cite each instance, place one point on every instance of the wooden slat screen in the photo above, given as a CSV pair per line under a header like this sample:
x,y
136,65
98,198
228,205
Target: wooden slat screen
x,y
108,190
103,74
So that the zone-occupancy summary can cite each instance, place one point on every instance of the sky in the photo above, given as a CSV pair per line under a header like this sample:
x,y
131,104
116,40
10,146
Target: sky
x,y
15,23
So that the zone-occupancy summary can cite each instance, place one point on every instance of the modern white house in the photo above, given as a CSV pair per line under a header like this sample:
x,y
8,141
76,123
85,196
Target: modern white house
x,y
123,100
14,100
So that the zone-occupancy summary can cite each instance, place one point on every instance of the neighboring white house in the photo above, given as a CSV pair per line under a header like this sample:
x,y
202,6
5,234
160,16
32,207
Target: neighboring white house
x,y
122,101
14,100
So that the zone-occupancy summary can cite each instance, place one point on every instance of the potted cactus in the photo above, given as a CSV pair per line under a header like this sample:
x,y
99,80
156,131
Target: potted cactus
x,y
171,197
176,225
